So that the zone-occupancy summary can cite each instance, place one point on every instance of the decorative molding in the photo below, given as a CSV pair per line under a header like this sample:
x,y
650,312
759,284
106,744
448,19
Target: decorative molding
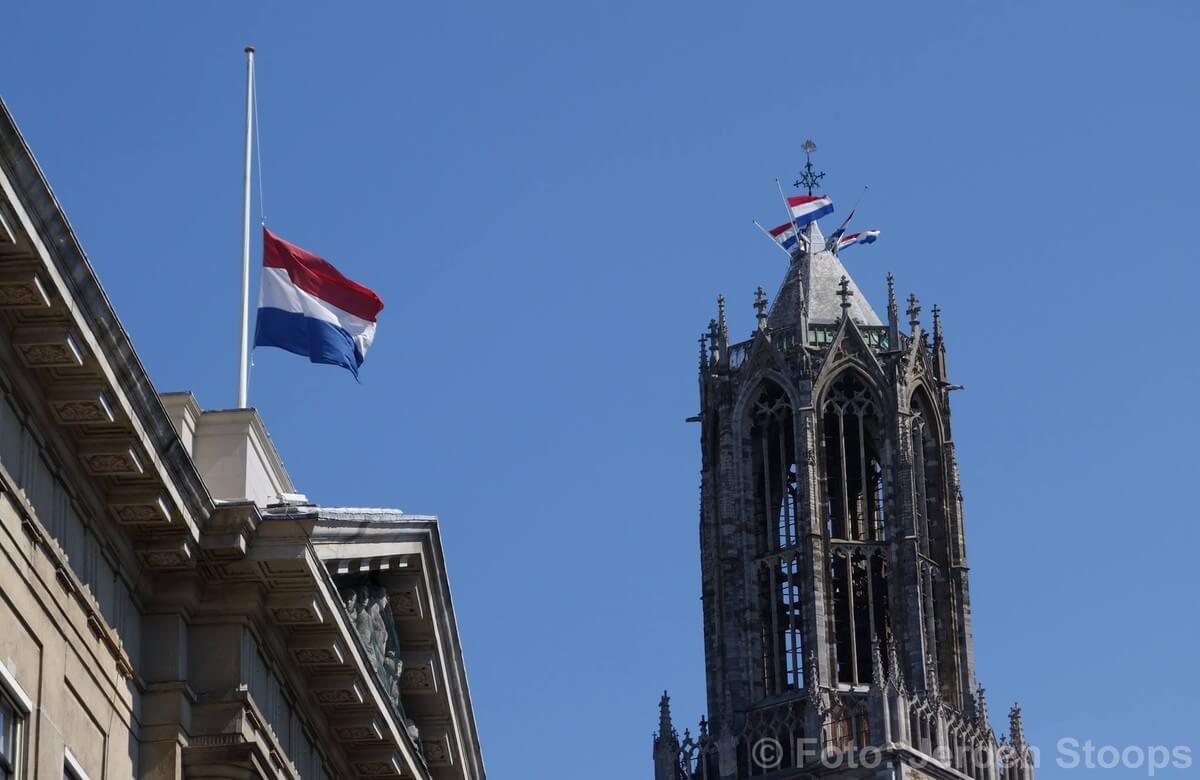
x,y
317,649
362,727
167,554
332,690
48,347
435,746
139,506
81,405
22,289
111,458
378,764
296,609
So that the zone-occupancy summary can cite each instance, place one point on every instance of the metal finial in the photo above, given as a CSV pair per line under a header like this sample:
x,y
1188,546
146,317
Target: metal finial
x,y
809,178
760,307
845,293
914,311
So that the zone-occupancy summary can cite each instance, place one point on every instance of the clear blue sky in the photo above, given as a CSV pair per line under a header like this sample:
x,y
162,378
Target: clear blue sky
x,y
550,196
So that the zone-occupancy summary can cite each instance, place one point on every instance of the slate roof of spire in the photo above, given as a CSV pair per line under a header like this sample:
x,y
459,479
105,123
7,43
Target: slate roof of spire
x,y
823,271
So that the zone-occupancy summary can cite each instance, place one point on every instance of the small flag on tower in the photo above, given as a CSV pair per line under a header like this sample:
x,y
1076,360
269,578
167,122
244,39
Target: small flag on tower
x,y
307,307
808,208
863,237
788,236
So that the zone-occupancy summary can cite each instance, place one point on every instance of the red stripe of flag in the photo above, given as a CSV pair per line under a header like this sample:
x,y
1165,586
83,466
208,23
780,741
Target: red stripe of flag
x,y
800,200
316,276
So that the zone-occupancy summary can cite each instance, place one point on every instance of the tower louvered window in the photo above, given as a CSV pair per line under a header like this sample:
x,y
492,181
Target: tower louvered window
x,y
854,503
930,517
772,443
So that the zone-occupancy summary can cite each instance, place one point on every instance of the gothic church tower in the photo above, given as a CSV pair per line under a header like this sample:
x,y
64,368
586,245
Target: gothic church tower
x,y
837,621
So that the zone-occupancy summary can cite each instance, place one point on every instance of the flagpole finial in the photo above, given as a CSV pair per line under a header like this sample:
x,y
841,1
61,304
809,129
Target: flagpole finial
x,y
809,177
249,49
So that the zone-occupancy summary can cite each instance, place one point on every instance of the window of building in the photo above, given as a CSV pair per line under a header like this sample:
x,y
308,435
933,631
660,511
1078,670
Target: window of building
x,y
15,707
71,768
9,738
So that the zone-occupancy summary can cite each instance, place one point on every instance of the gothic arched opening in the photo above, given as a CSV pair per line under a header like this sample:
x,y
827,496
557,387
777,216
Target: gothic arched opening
x,y
771,442
854,469
854,479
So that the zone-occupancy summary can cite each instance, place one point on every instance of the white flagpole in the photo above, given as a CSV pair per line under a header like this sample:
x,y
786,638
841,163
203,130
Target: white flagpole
x,y
244,352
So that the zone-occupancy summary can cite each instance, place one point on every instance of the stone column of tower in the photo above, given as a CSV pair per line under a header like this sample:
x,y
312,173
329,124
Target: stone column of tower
x,y
833,557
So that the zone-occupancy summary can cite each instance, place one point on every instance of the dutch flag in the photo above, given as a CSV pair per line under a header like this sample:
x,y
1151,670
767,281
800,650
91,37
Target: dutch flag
x,y
807,208
865,237
307,307
788,236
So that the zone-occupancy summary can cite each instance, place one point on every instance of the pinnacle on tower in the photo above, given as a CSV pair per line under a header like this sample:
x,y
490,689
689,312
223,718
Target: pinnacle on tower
x,y
914,312
1016,730
760,308
665,727
894,673
877,672
845,293
981,711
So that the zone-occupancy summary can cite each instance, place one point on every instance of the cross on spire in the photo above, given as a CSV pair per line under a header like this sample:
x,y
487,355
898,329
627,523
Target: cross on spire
x,y
914,311
845,293
760,306
809,178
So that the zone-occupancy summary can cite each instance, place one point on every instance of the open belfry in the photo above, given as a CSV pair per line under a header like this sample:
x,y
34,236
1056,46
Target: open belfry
x,y
837,620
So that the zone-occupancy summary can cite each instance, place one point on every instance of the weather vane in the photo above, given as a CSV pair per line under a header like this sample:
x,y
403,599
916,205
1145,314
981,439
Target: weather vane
x,y
809,178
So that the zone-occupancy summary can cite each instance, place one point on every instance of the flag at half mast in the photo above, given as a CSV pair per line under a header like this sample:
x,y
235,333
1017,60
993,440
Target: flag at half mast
x,y
788,236
864,237
808,208
307,307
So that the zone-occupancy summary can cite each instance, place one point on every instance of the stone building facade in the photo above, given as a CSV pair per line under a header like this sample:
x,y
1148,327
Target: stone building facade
x,y
837,620
170,607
